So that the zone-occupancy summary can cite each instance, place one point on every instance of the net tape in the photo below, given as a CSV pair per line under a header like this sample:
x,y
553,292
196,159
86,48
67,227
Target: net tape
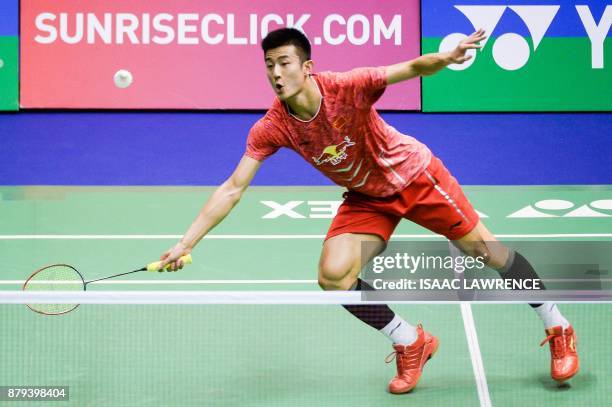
x,y
211,297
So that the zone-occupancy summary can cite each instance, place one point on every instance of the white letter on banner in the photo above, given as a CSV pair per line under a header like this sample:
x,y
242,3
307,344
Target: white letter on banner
x,y
105,31
365,25
205,29
597,33
323,209
282,209
146,28
394,28
158,26
253,29
40,24
299,23
183,27
126,24
337,18
265,23
78,34
231,32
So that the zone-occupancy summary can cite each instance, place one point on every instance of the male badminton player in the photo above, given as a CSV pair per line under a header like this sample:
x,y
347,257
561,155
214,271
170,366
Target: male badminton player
x,y
328,119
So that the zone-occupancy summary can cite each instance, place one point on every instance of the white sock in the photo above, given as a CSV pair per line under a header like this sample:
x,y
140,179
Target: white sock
x,y
550,315
400,331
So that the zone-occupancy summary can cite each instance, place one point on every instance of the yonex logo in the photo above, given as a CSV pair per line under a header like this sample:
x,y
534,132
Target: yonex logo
x,y
317,209
313,210
556,208
546,208
511,51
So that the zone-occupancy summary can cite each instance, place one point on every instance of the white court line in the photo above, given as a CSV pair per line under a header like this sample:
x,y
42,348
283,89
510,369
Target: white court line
x,y
475,355
178,282
247,237
182,297
219,297
203,282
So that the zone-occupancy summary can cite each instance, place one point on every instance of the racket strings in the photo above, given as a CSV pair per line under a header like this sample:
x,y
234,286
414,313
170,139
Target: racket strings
x,y
59,277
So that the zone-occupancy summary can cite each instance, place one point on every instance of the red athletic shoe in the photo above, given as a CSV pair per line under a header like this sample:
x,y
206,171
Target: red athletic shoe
x,y
410,360
564,363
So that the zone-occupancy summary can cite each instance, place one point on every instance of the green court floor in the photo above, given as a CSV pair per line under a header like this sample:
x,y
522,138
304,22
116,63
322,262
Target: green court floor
x,y
272,355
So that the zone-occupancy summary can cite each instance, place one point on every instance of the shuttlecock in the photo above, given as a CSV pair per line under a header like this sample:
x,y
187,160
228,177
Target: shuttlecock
x,y
123,78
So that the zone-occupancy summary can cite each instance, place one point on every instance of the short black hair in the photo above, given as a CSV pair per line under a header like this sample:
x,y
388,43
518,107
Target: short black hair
x,y
287,36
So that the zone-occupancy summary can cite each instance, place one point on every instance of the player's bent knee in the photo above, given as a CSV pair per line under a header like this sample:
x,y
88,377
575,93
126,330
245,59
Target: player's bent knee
x,y
494,257
476,250
330,281
483,254
333,268
334,275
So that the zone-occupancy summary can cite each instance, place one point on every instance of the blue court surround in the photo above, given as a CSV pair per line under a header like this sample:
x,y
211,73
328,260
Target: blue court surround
x,y
9,17
191,148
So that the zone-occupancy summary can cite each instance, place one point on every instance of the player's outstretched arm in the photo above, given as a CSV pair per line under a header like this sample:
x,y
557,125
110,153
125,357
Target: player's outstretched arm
x,y
218,206
429,64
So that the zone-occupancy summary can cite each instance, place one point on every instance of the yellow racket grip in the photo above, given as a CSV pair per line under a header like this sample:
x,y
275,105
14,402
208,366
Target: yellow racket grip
x,y
155,265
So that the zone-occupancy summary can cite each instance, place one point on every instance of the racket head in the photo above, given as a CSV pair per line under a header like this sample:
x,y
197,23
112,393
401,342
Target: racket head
x,y
55,277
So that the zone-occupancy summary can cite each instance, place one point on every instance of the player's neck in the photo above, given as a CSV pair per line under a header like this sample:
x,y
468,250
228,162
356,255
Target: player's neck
x,y
306,104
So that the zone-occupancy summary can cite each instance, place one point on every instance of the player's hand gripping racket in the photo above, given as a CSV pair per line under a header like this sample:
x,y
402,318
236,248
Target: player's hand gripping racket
x,y
63,277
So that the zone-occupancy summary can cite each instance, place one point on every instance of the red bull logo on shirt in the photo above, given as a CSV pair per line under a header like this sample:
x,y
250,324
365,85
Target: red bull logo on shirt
x,y
334,154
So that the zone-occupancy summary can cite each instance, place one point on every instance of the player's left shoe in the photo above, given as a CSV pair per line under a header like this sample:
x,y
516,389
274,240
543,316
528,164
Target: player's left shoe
x,y
410,360
564,357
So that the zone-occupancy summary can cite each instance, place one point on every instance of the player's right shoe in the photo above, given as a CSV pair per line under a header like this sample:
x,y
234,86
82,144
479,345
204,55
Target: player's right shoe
x,y
564,362
410,360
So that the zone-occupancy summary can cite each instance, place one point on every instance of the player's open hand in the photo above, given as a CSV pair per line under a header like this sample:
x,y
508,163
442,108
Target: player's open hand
x,y
459,55
171,260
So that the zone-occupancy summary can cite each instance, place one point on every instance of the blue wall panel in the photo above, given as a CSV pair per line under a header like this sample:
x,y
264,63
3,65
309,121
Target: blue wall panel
x,y
170,148
9,17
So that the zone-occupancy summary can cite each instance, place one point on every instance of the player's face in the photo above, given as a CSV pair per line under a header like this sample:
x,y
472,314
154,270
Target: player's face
x,y
286,73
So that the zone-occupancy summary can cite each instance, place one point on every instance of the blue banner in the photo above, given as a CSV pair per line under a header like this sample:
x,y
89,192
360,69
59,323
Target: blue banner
x,y
438,15
9,17
203,148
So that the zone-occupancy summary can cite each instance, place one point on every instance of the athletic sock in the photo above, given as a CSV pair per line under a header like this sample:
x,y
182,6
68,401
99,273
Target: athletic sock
x,y
551,316
382,318
400,331
518,267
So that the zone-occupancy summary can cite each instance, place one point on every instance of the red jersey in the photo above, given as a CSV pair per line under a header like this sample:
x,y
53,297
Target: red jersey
x,y
346,140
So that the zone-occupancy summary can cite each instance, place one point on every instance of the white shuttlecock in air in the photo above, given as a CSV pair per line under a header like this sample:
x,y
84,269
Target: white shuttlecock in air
x,y
123,78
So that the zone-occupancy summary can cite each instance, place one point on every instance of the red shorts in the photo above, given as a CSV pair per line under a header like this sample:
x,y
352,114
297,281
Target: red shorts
x,y
433,200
